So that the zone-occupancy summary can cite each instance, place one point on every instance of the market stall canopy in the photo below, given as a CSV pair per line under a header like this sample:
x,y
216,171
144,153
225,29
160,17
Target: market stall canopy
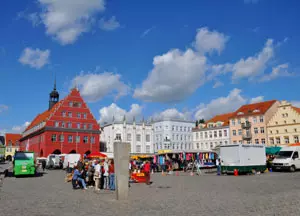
x,y
272,150
295,144
97,155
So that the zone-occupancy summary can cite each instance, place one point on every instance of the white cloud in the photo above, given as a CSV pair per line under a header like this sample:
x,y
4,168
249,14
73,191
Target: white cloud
x,y
34,18
3,108
251,67
35,58
209,41
278,71
107,113
95,86
220,105
218,84
256,99
109,25
175,76
66,20
254,65
147,31
171,114
20,128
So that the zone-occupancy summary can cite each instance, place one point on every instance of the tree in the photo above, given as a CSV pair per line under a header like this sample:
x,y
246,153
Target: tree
x,y
201,121
196,123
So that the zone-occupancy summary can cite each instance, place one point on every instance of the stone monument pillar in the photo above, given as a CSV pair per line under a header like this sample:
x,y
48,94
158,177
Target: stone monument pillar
x,y
121,159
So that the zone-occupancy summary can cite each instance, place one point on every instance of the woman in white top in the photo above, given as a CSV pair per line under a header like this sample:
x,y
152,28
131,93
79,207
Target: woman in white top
x,y
105,175
97,175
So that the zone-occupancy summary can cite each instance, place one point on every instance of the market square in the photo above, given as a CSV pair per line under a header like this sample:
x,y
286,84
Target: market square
x,y
149,108
265,194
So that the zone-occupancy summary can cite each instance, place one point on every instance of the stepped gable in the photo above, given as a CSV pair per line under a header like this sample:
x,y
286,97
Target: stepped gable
x,y
42,117
254,109
12,138
48,115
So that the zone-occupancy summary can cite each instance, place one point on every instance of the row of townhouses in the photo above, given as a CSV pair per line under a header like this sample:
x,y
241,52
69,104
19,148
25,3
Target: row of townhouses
x,y
269,123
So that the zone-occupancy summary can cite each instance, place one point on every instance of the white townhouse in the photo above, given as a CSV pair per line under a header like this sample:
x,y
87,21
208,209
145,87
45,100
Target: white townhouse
x,y
138,134
172,134
213,133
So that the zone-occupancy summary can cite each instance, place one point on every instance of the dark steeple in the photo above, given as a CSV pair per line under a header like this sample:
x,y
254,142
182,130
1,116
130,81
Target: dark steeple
x,y
54,96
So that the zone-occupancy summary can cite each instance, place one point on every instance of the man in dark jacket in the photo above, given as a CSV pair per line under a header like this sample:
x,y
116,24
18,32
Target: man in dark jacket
x,y
43,165
80,165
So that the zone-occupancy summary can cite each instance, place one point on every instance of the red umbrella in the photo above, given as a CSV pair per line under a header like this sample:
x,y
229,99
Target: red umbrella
x,y
97,155
294,144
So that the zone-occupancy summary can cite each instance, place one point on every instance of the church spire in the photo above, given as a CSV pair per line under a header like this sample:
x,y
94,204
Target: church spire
x,y
54,95
54,88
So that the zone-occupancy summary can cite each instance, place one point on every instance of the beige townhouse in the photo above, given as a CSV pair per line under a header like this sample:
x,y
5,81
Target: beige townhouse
x,y
284,126
248,125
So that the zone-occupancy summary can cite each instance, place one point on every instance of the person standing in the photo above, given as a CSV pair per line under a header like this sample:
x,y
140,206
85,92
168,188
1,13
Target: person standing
x,y
198,166
90,173
112,175
97,175
146,169
106,175
80,164
218,164
43,165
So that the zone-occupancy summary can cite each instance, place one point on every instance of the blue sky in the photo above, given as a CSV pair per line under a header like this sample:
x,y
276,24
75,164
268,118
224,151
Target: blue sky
x,y
147,58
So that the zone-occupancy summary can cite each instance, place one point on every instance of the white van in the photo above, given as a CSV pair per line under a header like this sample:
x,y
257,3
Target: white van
x,y
71,159
287,159
53,161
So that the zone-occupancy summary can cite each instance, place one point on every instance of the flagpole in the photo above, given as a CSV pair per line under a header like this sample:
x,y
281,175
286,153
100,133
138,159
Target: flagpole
x,y
91,142
61,150
76,141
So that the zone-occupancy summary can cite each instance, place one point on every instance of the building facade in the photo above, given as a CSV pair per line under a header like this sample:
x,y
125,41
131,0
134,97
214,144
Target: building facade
x,y
12,145
67,126
215,132
248,125
284,126
173,135
138,134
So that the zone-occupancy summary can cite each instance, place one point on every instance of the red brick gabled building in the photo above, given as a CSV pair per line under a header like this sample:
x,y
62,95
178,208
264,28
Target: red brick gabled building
x,y
12,144
67,126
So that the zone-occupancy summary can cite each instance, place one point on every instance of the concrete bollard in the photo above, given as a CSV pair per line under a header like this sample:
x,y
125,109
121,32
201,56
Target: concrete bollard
x,y
121,159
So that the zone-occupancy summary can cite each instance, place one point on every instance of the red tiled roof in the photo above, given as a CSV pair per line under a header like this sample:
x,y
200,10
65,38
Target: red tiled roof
x,y
13,138
247,110
297,109
42,117
221,118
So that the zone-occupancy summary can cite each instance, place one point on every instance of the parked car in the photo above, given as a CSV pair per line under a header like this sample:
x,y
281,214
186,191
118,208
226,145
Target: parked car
x,y
287,159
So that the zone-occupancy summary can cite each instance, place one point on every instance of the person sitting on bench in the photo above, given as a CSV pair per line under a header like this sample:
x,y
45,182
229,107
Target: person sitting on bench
x,y
77,177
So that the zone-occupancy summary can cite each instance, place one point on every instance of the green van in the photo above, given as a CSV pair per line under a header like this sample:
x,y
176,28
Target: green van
x,y
24,163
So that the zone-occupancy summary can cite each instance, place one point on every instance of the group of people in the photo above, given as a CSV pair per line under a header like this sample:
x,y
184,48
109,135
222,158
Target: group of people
x,y
99,174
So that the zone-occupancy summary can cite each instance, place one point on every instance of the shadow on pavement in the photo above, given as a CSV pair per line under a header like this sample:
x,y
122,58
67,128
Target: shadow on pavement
x,y
38,174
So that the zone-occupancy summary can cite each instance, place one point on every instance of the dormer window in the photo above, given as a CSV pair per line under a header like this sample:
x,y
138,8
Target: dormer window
x,y
256,110
240,113
210,125
219,124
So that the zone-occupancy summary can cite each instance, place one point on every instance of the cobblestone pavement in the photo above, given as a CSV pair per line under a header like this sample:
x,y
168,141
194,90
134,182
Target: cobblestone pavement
x,y
267,194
